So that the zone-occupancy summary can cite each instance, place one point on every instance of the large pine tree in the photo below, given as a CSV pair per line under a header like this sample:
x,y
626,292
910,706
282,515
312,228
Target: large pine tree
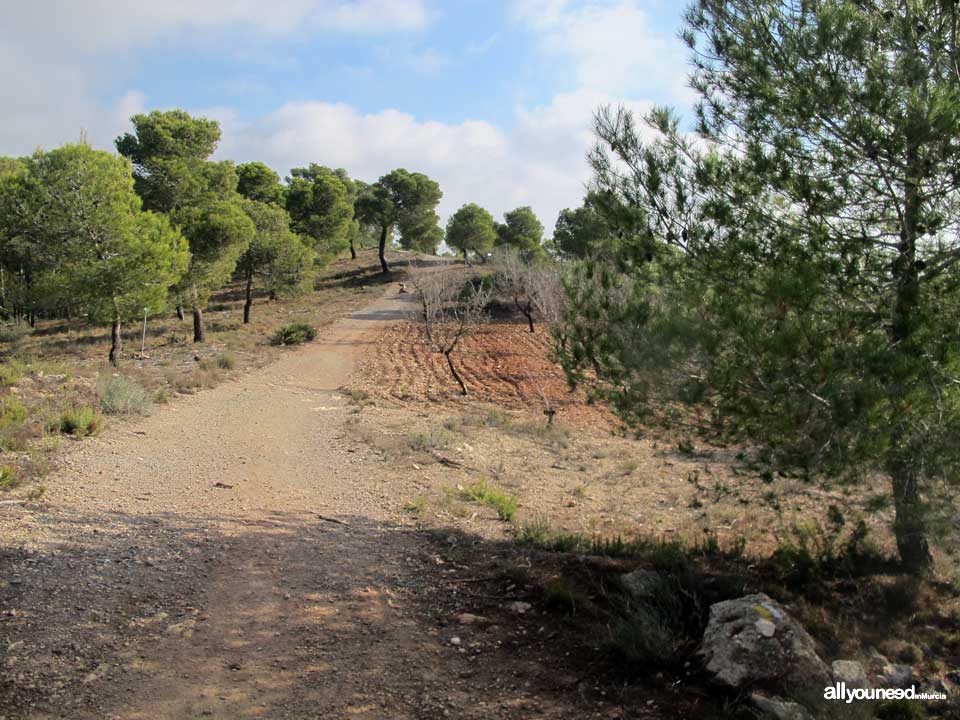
x,y
798,269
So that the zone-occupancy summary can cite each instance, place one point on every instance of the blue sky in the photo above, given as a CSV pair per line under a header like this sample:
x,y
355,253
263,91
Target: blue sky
x,y
493,99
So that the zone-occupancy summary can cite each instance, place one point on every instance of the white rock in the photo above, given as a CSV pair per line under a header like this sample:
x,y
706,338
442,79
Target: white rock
x,y
766,628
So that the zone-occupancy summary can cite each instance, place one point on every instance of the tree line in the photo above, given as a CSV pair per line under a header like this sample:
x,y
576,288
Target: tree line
x,y
108,237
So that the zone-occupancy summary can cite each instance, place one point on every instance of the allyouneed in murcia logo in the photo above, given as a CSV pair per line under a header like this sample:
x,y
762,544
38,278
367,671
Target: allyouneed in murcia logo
x,y
841,692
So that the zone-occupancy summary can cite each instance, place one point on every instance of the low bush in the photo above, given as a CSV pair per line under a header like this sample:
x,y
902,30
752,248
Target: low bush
x,y
11,372
205,376
81,422
13,413
563,597
294,334
15,436
812,553
8,478
644,637
226,361
14,333
434,439
120,395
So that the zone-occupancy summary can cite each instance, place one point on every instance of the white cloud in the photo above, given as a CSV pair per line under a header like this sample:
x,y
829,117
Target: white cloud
x,y
61,57
98,25
611,47
537,159
540,162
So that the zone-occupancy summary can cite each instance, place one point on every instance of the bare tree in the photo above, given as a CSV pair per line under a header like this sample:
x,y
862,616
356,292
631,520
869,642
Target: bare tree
x,y
546,292
451,308
536,289
513,279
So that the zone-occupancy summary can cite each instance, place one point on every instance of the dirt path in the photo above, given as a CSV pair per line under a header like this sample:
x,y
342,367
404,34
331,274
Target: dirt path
x,y
236,555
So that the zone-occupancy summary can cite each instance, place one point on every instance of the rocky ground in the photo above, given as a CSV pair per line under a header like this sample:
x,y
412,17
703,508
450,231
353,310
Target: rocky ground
x,y
297,543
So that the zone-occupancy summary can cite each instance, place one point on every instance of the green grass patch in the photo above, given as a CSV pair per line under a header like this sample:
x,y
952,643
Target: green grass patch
x,y
416,506
662,554
481,492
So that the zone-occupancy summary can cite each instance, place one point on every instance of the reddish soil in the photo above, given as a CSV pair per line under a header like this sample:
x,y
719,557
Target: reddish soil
x,y
503,364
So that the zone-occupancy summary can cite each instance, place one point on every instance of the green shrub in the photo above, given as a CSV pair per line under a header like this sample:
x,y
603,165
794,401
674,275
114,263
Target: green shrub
x,y
81,422
293,334
537,533
14,435
120,395
416,506
812,553
11,372
561,596
503,502
8,478
643,638
226,361
14,334
360,397
13,413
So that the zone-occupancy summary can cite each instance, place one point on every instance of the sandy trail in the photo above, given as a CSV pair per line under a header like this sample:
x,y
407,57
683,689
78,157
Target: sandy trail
x,y
234,555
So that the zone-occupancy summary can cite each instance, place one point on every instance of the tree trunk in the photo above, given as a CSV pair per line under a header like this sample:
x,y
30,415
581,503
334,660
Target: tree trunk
x,y
456,375
249,299
115,343
383,250
353,250
527,312
199,332
910,524
466,260
179,311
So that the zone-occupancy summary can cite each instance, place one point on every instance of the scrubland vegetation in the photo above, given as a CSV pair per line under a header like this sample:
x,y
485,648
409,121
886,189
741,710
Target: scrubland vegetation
x,y
733,369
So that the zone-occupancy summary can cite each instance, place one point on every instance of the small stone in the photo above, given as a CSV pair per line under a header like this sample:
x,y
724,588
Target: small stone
x,y
455,641
518,607
766,628
471,619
